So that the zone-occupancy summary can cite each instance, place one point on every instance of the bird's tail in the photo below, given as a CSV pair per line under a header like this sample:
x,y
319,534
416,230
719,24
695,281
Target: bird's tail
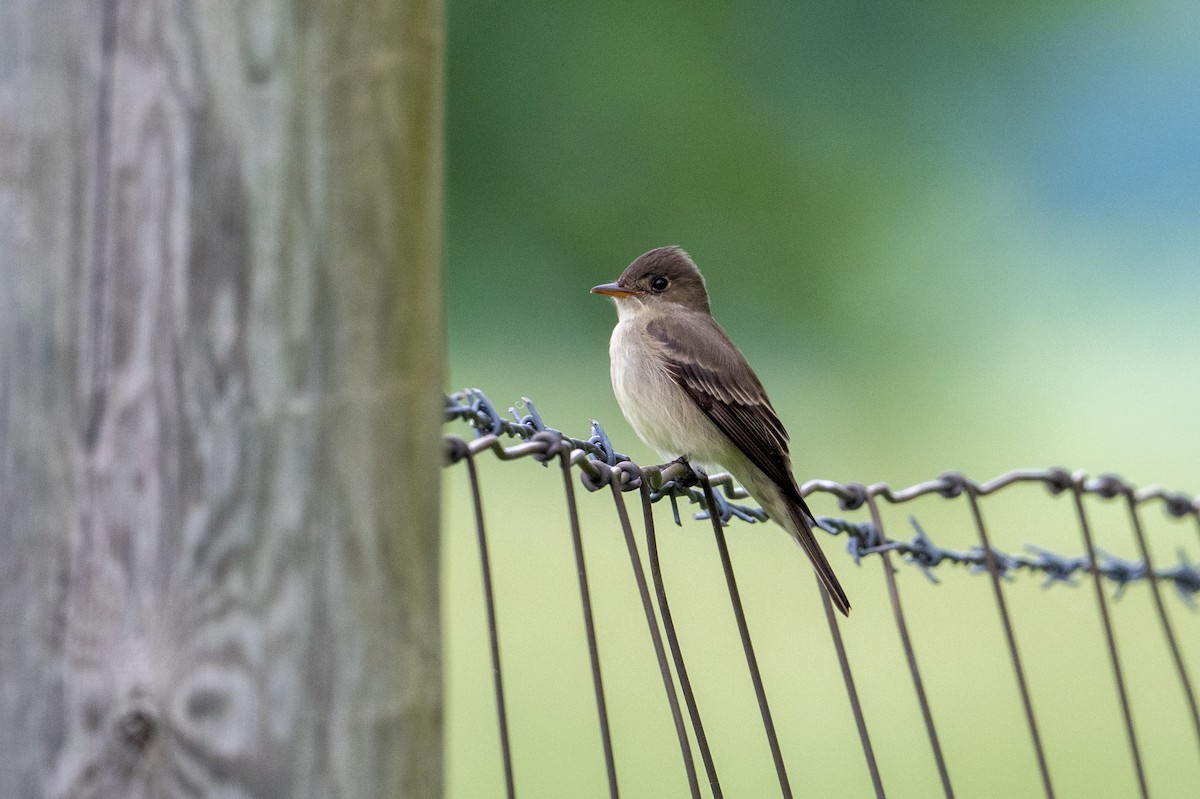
x,y
804,534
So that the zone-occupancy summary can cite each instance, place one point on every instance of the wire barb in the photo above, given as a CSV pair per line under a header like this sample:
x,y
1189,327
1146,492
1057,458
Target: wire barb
x,y
598,461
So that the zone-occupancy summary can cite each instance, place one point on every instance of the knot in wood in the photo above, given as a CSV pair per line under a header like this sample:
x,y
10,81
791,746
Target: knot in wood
x,y
136,727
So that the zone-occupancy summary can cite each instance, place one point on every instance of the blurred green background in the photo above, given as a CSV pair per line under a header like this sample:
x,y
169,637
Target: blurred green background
x,y
948,236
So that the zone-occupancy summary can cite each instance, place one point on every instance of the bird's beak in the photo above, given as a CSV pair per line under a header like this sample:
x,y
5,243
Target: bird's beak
x,y
614,290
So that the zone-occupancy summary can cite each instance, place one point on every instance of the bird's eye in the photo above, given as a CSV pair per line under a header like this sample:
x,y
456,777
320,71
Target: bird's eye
x,y
659,283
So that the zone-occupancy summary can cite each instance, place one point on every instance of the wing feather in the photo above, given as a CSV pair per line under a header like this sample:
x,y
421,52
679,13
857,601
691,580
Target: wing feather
x,y
725,388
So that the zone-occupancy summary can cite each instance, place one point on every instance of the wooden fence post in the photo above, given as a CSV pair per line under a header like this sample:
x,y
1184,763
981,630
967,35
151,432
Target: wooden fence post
x,y
220,398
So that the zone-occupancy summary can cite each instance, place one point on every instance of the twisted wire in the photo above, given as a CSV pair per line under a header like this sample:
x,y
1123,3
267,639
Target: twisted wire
x,y
596,457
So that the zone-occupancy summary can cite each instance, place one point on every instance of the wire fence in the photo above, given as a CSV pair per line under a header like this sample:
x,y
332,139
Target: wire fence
x,y
600,466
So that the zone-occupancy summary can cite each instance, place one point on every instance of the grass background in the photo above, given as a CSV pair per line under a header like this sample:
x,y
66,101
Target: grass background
x,y
947,238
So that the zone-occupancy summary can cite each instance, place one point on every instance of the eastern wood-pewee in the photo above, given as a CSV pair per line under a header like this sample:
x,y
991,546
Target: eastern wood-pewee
x,y
688,392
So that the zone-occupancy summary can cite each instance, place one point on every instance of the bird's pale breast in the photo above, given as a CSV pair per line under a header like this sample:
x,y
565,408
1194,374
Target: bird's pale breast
x,y
661,413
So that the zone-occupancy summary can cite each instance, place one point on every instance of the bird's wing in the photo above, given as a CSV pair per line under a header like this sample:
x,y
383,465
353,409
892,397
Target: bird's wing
x,y
713,372
721,383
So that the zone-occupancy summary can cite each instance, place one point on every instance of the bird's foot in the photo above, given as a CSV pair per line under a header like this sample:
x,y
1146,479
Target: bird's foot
x,y
679,471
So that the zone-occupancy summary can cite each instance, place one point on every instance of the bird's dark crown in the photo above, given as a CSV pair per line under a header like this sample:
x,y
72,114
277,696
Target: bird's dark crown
x,y
667,274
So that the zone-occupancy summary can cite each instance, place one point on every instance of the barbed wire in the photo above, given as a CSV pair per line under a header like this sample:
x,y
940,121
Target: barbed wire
x,y
601,464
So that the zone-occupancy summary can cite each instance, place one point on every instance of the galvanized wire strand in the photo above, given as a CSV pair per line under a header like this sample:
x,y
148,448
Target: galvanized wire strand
x,y
1111,642
910,653
588,621
860,721
664,609
593,455
473,407
739,615
1189,694
627,468
1010,638
630,478
493,635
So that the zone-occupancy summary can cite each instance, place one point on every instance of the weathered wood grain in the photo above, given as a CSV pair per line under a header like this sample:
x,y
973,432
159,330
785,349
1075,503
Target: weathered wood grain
x,y
220,398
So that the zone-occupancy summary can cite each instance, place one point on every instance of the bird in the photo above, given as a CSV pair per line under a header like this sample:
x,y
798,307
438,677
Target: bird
x,y
689,393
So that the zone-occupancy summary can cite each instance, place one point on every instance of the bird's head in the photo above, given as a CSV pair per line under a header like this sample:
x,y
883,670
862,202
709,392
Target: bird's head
x,y
661,278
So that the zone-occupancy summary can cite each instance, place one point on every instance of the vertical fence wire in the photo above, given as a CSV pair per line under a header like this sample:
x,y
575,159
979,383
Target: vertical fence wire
x,y
588,622
1010,638
1168,632
622,475
489,602
1110,639
664,608
652,621
739,614
909,652
860,721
